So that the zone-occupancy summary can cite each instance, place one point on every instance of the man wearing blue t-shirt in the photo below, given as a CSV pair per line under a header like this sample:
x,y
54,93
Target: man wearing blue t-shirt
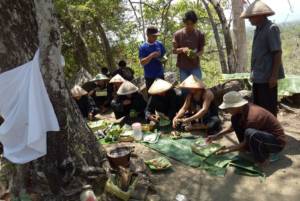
x,y
150,54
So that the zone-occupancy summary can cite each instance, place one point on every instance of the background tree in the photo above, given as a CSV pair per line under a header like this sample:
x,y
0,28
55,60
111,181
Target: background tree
x,y
239,35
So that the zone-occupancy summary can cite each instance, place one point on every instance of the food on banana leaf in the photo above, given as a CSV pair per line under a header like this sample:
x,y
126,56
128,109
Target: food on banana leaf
x,y
151,137
146,128
160,163
203,149
163,59
113,133
192,53
175,135
98,125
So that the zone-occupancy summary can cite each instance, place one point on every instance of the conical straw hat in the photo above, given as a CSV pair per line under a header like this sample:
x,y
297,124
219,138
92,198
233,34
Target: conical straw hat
x,y
127,88
77,91
159,86
117,79
100,77
192,82
257,8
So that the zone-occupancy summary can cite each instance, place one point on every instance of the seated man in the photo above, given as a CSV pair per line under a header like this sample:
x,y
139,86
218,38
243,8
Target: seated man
x,y
164,100
125,71
85,103
100,93
114,84
105,71
199,107
129,103
257,130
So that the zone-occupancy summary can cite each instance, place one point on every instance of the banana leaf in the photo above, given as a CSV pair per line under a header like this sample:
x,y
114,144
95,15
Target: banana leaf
x,y
221,161
236,76
179,150
205,150
164,122
286,87
98,125
214,170
289,86
245,167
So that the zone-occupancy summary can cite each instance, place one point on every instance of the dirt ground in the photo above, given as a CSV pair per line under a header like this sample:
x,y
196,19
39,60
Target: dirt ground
x,y
281,184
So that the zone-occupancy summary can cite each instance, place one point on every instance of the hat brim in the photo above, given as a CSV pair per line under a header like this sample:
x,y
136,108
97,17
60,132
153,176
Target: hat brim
x,y
224,106
155,92
116,82
245,16
94,80
127,93
182,87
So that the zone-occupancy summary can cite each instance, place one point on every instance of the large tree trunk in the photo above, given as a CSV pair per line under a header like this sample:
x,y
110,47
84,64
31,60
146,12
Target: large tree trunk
x,y
222,57
231,59
239,33
29,24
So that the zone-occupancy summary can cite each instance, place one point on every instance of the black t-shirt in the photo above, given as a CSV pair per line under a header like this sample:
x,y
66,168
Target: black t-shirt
x,y
126,72
168,104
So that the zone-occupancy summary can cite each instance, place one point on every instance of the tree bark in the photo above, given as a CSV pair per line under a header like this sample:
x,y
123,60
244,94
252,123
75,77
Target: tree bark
x,y
221,52
239,33
34,21
231,60
108,52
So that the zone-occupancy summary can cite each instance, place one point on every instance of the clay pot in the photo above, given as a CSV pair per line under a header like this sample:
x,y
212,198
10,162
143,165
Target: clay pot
x,y
119,156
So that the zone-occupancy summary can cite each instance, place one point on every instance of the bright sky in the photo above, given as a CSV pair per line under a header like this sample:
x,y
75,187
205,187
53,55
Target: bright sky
x,y
283,11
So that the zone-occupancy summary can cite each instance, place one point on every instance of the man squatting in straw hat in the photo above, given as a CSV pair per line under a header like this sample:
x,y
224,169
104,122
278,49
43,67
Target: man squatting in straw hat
x,y
258,131
163,99
266,62
199,110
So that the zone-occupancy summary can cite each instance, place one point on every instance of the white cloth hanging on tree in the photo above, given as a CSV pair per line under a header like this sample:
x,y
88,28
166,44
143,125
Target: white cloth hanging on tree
x,y
28,113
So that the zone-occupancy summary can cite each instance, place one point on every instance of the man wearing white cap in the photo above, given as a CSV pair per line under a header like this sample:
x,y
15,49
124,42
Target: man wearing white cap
x,y
163,99
129,103
266,61
257,130
100,93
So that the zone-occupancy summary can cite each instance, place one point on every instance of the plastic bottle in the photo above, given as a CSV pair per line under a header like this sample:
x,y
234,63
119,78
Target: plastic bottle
x,y
137,131
87,194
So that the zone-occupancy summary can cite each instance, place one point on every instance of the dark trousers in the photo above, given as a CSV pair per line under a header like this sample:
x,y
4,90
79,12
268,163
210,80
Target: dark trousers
x,y
261,144
265,97
149,81
213,124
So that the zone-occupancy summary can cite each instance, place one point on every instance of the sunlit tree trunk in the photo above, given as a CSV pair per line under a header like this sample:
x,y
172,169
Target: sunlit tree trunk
x,y
231,60
221,52
239,33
